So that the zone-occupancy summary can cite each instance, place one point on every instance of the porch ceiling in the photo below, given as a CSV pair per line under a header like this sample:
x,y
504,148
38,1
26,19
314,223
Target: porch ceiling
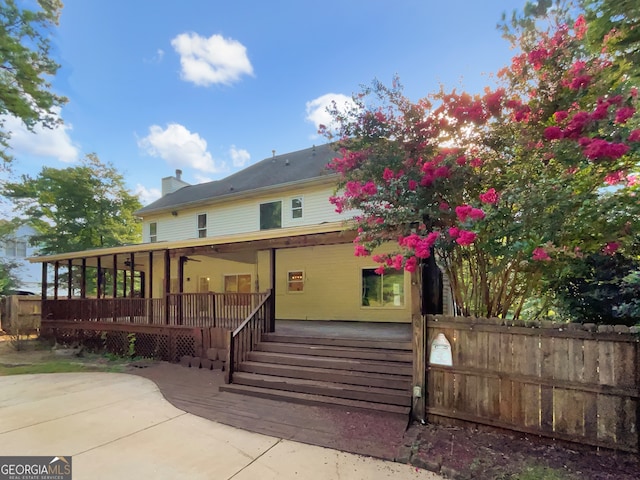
x,y
325,234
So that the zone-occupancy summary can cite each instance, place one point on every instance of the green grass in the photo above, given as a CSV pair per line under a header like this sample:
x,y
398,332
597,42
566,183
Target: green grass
x,y
536,472
56,366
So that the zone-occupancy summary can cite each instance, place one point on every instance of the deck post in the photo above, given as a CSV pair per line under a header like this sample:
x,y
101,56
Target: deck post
x,y
418,405
150,295
56,279
99,278
43,291
271,327
83,278
167,285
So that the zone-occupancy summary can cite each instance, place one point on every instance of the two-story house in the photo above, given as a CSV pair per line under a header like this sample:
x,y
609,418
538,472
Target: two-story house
x,y
268,227
284,197
15,248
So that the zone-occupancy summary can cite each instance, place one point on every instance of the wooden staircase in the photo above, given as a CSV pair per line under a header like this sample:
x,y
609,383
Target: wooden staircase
x,y
355,373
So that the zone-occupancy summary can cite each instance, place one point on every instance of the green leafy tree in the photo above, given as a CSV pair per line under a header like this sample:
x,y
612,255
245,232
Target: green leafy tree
x,y
26,64
8,275
77,208
509,187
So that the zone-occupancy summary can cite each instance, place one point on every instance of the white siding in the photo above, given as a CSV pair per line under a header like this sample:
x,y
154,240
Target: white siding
x,y
243,215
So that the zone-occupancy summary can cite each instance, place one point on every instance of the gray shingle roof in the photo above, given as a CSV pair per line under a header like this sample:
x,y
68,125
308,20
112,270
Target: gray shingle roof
x,y
306,164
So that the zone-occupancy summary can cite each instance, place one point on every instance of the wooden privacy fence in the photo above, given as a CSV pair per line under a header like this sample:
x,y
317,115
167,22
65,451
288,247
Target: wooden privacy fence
x,y
578,383
20,313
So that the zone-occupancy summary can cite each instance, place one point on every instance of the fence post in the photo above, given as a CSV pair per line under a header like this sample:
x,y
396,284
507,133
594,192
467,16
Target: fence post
x,y
418,409
230,355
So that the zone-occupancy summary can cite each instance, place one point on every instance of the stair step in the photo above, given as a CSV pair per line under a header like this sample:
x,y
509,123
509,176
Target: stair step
x,y
341,342
359,365
340,390
311,399
372,379
337,351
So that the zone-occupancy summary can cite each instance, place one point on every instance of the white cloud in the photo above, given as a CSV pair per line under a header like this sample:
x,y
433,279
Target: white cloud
x,y
239,157
317,109
213,60
157,58
179,148
41,142
202,178
147,195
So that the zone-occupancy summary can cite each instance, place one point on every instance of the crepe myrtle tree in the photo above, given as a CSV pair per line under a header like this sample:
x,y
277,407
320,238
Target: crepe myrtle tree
x,y
506,187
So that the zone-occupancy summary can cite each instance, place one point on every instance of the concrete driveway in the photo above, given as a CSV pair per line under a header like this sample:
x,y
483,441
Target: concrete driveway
x,y
119,426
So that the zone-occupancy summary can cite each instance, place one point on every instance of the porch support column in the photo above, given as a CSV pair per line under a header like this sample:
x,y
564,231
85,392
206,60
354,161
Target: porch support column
x,y
43,289
83,279
124,283
150,282
69,279
115,275
99,278
132,269
272,305
56,279
167,285
181,262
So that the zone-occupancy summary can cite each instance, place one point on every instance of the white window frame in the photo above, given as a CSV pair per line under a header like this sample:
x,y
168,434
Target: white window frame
x,y
295,209
153,237
260,215
201,230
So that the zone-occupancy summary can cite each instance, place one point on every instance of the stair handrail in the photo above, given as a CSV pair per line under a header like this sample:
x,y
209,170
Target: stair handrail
x,y
244,338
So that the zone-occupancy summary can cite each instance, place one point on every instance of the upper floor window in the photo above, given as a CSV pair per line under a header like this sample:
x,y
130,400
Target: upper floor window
x,y
15,248
153,232
202,225
270,215
296,207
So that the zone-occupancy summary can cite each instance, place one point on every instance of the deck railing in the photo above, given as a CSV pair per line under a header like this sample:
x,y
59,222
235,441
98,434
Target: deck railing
x,y
245,337
227,310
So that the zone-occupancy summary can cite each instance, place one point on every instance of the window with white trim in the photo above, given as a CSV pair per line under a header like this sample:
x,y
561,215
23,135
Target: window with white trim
x,y
153,232
15,248
202,225
296,207
270,215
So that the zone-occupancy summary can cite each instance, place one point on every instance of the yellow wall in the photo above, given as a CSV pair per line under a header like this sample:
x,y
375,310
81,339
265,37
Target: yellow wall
x,y
332,286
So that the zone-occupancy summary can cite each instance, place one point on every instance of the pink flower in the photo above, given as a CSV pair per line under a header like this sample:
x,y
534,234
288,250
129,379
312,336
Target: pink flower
x,y
476,162
634,136
610,248
361,251
541,255
454,232
580,27
553,133
463,211
490,196
580,82
461,161
476,214
623,114
466,238
614,178
444,206
380,270
379,258
369,188
442,171
599,149
560,115
632,180
411,264
388,174
397,262
537,57
413,185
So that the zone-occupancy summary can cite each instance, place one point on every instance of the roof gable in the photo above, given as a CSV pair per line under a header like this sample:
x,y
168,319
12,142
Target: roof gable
x,y
307,164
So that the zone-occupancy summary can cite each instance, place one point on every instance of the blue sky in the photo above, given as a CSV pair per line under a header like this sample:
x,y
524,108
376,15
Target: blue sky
x,y
212,86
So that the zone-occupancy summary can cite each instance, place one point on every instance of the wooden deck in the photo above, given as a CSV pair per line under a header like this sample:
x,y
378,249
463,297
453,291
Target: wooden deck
x,y
197,391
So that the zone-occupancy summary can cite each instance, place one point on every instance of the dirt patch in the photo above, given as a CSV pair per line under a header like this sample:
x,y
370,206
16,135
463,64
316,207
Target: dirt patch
x,y
467,453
